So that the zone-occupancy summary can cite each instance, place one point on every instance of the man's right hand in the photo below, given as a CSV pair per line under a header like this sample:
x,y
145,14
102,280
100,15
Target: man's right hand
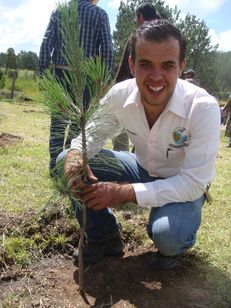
x,y
75,173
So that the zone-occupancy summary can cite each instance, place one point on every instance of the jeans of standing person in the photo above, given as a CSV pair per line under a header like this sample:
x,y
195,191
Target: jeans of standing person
x,y
121,142
62,130
57,142
172,227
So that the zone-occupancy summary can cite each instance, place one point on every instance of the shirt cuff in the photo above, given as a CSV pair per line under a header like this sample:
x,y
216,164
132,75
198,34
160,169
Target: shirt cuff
x,y
144,195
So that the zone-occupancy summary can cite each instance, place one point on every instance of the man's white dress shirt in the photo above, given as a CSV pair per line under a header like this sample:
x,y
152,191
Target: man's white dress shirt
x,y
181,147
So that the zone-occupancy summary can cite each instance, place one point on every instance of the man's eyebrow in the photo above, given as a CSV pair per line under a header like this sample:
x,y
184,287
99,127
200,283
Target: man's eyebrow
x,y
165,62
169,62
144,60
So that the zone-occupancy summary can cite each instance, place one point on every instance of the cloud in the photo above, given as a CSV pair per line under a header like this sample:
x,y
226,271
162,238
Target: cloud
x,y
223,39
24,24
197,7
114,4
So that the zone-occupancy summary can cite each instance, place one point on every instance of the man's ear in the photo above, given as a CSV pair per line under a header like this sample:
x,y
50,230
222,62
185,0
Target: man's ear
x,y
140,19
131,66
182,66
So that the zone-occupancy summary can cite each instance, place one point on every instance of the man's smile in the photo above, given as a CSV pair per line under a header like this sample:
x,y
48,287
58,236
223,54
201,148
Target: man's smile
x,y
155,89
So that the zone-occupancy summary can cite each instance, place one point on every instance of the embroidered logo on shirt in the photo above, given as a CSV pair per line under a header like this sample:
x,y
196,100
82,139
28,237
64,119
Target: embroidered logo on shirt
x,y
180,136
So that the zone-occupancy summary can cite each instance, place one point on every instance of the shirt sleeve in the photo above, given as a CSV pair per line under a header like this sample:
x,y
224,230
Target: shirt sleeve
x,y
106,42
103,125
198,168
48,42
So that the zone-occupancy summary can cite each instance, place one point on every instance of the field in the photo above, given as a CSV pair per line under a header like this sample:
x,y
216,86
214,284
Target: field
x,y
38,234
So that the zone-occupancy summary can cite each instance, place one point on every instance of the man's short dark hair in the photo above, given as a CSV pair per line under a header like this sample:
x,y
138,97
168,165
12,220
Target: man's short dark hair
x,y
148,11
158,31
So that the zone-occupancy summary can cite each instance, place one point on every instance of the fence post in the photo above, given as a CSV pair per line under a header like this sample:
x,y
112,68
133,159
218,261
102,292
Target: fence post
x,y
14,76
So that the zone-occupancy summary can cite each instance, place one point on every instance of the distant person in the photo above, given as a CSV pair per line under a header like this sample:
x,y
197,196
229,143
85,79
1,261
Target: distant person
x,y
189,76
227,110
223,115
144,12
96,39
175,129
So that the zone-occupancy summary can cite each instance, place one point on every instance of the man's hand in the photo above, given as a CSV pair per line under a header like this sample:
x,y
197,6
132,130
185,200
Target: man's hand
x,y
74,172
105,194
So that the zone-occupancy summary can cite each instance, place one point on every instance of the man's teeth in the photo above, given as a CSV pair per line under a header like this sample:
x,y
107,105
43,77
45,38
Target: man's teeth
x,y
156,89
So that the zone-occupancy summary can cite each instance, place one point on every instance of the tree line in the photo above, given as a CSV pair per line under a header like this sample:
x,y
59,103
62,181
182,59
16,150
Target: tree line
x,y
23,60
212,67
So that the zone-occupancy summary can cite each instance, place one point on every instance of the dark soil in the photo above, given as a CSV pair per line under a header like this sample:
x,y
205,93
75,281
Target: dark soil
x,y
125,282
8,139
52,280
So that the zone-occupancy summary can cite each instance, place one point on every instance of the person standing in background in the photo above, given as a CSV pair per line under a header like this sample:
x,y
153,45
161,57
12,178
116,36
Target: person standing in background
x,y
189,76
227,110
144,12
95,36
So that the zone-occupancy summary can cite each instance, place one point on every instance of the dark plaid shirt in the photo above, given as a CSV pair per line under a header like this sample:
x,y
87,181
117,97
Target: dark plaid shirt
x,y
94,34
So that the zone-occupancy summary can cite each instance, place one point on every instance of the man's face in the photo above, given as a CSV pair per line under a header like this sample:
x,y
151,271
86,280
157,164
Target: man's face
x,y
156,69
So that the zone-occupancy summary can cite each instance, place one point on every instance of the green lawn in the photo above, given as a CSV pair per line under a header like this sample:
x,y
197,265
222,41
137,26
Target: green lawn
x,y
26,84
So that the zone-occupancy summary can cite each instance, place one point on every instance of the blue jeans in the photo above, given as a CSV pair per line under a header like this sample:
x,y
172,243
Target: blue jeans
x,y
172,227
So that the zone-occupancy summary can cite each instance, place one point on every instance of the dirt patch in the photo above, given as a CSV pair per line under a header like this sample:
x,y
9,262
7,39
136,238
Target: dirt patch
x,y
36,111
8,139
124,282
52,281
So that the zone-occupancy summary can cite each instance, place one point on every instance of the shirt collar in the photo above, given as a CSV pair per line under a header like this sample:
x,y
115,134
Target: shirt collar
x,y
176,103
134,97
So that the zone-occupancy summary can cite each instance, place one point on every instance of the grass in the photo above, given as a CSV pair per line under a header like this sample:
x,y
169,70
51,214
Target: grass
x,y
18,248
215,235
214,238
25,183
24,167
25,83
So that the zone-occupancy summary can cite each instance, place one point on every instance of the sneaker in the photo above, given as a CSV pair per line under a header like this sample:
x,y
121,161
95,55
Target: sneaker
x,y
229,145
160,262
94,252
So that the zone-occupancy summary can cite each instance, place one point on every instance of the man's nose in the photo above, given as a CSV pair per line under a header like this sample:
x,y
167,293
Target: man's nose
x,y
156,73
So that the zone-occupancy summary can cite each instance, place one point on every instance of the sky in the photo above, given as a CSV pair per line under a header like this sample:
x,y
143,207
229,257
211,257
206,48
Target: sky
x,y
23,22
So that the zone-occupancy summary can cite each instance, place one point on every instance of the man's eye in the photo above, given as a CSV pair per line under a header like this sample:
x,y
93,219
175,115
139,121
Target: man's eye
x,y
169,66
145,65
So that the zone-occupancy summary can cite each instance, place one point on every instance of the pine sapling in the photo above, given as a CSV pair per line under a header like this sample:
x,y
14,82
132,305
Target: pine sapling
x,y
67,99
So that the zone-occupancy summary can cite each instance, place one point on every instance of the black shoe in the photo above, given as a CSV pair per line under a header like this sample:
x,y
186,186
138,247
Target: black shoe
x,y
160,262
94,252
53,173
229,145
